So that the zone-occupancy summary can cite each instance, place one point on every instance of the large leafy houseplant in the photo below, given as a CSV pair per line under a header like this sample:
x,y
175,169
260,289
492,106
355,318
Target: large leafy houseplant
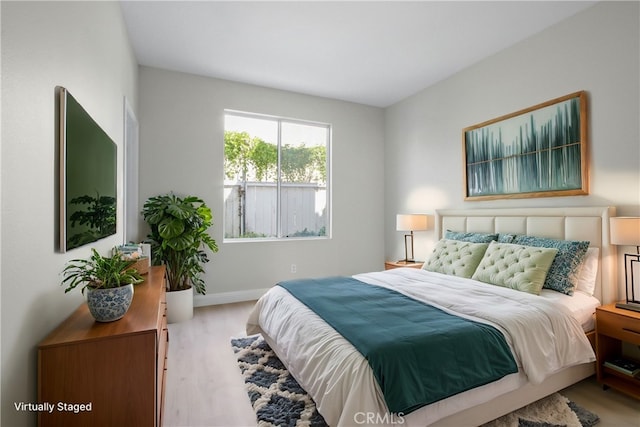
x,y
178,238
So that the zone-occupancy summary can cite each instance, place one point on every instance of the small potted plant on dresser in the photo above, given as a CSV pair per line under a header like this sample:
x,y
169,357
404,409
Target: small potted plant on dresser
x,y
108,282
178,238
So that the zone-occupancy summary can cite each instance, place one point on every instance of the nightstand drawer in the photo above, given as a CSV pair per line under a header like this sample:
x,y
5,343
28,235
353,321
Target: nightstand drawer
x,y
620,327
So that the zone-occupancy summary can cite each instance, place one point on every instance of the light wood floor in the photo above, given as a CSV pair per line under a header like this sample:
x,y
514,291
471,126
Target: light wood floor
x,y
204,386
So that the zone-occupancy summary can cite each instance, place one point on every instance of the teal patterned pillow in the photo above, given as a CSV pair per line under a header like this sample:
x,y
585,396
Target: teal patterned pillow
x,y
470,236
565,270
506,237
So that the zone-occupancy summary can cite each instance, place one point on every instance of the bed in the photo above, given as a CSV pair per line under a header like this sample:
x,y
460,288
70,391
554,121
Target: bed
x,y
342,383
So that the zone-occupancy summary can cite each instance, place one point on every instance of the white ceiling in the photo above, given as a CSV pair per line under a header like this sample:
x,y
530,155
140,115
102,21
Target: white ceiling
x,y
373,53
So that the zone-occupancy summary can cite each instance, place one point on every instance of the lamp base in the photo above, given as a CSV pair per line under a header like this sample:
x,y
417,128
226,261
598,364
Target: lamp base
x,y
633,306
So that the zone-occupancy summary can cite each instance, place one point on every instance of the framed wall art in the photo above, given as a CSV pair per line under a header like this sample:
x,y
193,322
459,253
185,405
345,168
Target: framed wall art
x,y
540,151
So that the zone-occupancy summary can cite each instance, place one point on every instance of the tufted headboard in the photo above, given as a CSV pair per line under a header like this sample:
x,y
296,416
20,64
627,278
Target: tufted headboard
x,y
570,223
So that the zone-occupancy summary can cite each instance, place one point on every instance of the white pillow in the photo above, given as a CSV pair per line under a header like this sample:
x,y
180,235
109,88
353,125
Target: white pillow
x,y
588,271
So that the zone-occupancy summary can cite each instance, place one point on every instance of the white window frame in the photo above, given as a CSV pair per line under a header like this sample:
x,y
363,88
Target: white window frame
x,y
279,120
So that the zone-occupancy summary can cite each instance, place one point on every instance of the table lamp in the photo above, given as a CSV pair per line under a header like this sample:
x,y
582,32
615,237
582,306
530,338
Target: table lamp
x,y
411,223
625,231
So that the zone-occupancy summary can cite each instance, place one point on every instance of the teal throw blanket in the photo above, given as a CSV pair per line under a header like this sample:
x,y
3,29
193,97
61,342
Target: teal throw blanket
x,y
419,354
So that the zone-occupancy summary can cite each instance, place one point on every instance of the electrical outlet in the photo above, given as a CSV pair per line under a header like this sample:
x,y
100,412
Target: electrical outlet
x,y
294,268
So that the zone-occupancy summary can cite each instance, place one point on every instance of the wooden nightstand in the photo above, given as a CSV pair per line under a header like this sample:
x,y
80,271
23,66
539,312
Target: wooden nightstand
x,y
388,265
613,327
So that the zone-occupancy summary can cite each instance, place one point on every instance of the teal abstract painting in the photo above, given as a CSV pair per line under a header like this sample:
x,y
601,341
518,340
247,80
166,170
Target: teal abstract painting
x,y
536,152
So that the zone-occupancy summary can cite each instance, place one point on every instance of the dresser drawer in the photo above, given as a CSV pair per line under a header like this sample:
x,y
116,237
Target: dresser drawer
x,y
617,326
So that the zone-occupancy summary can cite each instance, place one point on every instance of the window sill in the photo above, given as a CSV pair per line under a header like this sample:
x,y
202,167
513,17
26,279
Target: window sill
x,y
273,239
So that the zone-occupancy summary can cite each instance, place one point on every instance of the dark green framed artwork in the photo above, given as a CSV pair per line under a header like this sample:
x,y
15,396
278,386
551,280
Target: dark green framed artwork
x,y
540,151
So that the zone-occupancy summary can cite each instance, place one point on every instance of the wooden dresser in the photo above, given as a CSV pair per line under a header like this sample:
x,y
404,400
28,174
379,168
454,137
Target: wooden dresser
x,y
108,374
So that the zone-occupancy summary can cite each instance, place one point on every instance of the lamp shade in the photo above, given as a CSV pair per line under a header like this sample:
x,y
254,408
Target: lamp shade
x,y
412,222
625,230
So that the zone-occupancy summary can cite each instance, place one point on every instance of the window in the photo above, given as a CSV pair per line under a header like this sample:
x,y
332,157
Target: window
x,y
276,177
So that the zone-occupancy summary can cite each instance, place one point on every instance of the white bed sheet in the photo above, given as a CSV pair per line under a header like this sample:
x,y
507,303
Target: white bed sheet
x,y
581,305
340,381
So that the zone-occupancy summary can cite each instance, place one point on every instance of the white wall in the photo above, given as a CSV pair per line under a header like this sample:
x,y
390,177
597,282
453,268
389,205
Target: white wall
x,y
181,150
82,46
596,51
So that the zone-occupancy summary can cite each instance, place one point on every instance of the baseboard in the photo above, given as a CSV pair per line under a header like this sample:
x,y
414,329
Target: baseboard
x,y
228,297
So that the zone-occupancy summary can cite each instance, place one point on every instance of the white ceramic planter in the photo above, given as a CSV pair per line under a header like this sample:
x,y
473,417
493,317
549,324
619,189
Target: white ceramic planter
x,y
179,305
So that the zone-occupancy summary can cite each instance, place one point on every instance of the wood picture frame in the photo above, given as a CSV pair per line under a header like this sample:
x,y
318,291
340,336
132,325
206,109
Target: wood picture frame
x,y
540,151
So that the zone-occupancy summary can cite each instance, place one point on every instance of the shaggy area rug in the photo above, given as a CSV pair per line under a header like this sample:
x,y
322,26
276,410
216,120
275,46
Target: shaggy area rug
x,y
552,411
278,399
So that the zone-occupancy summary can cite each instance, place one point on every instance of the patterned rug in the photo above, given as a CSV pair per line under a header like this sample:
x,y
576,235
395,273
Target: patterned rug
x,y
278,399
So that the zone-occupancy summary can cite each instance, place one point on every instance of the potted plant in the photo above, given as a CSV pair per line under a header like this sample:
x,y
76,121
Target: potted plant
x,y
178,238
108,281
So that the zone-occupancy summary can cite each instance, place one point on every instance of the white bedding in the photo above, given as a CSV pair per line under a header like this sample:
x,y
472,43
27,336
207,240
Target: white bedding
x,y
581,305
542,333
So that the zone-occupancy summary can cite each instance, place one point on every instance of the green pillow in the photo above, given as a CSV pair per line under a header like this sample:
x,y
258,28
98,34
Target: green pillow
x,y
565,270
523,268
455,257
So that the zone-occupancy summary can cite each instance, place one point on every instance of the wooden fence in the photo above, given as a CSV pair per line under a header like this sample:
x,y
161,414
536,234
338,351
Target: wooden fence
x,y
251,210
